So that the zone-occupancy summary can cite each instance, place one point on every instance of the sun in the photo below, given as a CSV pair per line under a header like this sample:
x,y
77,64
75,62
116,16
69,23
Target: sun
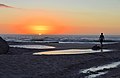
x,y
40,29
39,34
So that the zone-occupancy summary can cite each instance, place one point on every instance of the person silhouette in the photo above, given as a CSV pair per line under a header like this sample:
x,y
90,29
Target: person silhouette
x,y
101,39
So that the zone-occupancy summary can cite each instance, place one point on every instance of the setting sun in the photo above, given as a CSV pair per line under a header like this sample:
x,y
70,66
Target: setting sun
x,y
40,29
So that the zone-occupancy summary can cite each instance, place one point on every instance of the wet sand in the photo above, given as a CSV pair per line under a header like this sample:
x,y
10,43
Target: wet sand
x,y
20,63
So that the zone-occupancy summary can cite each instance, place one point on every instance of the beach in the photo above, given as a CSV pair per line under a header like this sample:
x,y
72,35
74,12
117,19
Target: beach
x,y
21,63
59,39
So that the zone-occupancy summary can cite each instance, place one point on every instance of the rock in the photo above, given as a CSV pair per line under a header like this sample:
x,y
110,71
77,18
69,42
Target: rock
x,y
4,47
96,47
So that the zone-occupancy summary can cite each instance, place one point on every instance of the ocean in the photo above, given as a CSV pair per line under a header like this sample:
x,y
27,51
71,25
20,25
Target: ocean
x,y
88,39
80,39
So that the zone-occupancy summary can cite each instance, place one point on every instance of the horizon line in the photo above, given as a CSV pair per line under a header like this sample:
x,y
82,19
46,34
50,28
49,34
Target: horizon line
x,y
59,34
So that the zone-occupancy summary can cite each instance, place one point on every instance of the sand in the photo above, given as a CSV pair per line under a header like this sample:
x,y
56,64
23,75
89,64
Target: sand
x,y
20,63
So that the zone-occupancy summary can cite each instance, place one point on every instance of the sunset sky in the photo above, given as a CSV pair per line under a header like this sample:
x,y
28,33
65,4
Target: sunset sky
x,y
59,16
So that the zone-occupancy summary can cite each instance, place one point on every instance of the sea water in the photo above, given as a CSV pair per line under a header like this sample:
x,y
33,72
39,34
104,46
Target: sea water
x,y
100,70
32,46
61,39
70,51
82,39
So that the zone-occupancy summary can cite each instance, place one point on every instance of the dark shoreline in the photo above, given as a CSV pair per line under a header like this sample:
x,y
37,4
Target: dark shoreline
x,y
21,62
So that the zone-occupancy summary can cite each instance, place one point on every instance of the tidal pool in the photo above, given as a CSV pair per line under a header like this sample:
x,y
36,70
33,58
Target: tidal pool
x,y
99,70
32,46
70,51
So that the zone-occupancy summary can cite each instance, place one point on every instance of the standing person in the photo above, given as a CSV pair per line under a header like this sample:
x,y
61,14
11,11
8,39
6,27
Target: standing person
x,y
101,39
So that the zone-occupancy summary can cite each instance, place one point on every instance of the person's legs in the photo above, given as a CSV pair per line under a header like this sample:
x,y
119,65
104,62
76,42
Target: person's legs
x,y
101,44
101,50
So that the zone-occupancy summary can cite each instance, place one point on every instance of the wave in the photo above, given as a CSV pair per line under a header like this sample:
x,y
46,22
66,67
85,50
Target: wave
x,y
59,38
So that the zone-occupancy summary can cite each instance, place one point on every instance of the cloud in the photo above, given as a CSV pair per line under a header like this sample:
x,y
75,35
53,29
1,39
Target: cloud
x,y
5,6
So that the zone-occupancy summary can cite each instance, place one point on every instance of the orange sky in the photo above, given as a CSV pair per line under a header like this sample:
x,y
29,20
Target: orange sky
x,y
37,22
93,18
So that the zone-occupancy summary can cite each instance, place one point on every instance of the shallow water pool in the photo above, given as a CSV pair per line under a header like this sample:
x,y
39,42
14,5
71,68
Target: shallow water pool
x,y
100,70
32,46
70,51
